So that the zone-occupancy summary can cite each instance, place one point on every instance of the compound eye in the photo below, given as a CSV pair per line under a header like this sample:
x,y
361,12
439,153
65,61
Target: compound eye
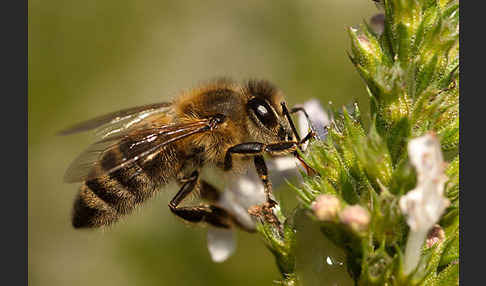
x,y
263,112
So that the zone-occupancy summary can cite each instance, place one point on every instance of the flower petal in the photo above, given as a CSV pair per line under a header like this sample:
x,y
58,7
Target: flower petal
x,y
283,167
425,204
317,116
221,243
241,192
247,188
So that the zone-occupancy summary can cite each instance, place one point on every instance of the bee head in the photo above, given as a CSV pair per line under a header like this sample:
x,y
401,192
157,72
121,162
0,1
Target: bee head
x,y
266,112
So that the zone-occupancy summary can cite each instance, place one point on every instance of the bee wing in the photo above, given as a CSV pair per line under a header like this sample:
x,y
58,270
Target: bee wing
x,y
121,150
117,121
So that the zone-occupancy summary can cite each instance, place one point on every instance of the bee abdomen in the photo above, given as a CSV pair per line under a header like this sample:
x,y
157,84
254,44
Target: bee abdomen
x,y
91,211
102,201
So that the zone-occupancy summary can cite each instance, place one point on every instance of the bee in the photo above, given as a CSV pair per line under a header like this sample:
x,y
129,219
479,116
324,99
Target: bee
x,y
221,124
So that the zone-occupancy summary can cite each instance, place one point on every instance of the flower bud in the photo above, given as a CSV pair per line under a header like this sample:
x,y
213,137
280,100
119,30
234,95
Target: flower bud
x,y
377,23
355,217
435,235
326,207
365,43
366,49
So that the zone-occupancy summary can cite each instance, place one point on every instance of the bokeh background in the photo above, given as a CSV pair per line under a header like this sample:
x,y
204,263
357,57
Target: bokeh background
x,y
91,57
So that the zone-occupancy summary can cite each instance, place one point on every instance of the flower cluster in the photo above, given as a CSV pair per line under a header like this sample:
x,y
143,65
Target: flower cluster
x,y
387,192
385,189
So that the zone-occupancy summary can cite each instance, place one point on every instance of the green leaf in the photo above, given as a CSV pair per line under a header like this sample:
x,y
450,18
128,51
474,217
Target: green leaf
x,y
451,251
447,277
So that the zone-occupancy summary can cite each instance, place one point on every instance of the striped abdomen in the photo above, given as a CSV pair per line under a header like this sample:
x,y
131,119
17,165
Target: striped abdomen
x,y
101,201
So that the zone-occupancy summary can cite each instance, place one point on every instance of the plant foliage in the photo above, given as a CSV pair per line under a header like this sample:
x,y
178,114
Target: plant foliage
x,y
410,65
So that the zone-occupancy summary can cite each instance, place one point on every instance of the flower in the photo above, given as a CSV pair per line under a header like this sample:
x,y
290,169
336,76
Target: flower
x,y
317,116
221,243
246,190
425,204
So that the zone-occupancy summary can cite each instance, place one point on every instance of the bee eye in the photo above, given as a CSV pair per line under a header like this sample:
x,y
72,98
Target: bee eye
x,y
263,112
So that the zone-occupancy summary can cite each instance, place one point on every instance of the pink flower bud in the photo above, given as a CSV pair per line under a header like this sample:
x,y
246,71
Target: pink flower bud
x,y
435,235
365,43
326,207
356,217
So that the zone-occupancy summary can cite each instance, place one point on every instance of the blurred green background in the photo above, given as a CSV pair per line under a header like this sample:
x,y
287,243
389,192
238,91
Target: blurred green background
x,y
91,57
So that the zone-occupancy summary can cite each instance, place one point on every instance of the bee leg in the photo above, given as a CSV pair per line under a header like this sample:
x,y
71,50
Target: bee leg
x,y
290,146
185,190
213,215
208,192
219,217
253,148
262,172
256,148
243,148
283,147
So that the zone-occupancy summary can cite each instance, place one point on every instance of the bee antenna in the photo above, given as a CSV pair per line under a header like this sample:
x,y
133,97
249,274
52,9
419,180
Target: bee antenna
x,y
287,114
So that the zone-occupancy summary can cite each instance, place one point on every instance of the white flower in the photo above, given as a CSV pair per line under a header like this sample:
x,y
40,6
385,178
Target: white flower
x,y
221,243
243,191
318,116
246,190
425,204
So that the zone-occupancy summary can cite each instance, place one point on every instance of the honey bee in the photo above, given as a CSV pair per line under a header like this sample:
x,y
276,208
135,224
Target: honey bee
x,y
221,124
